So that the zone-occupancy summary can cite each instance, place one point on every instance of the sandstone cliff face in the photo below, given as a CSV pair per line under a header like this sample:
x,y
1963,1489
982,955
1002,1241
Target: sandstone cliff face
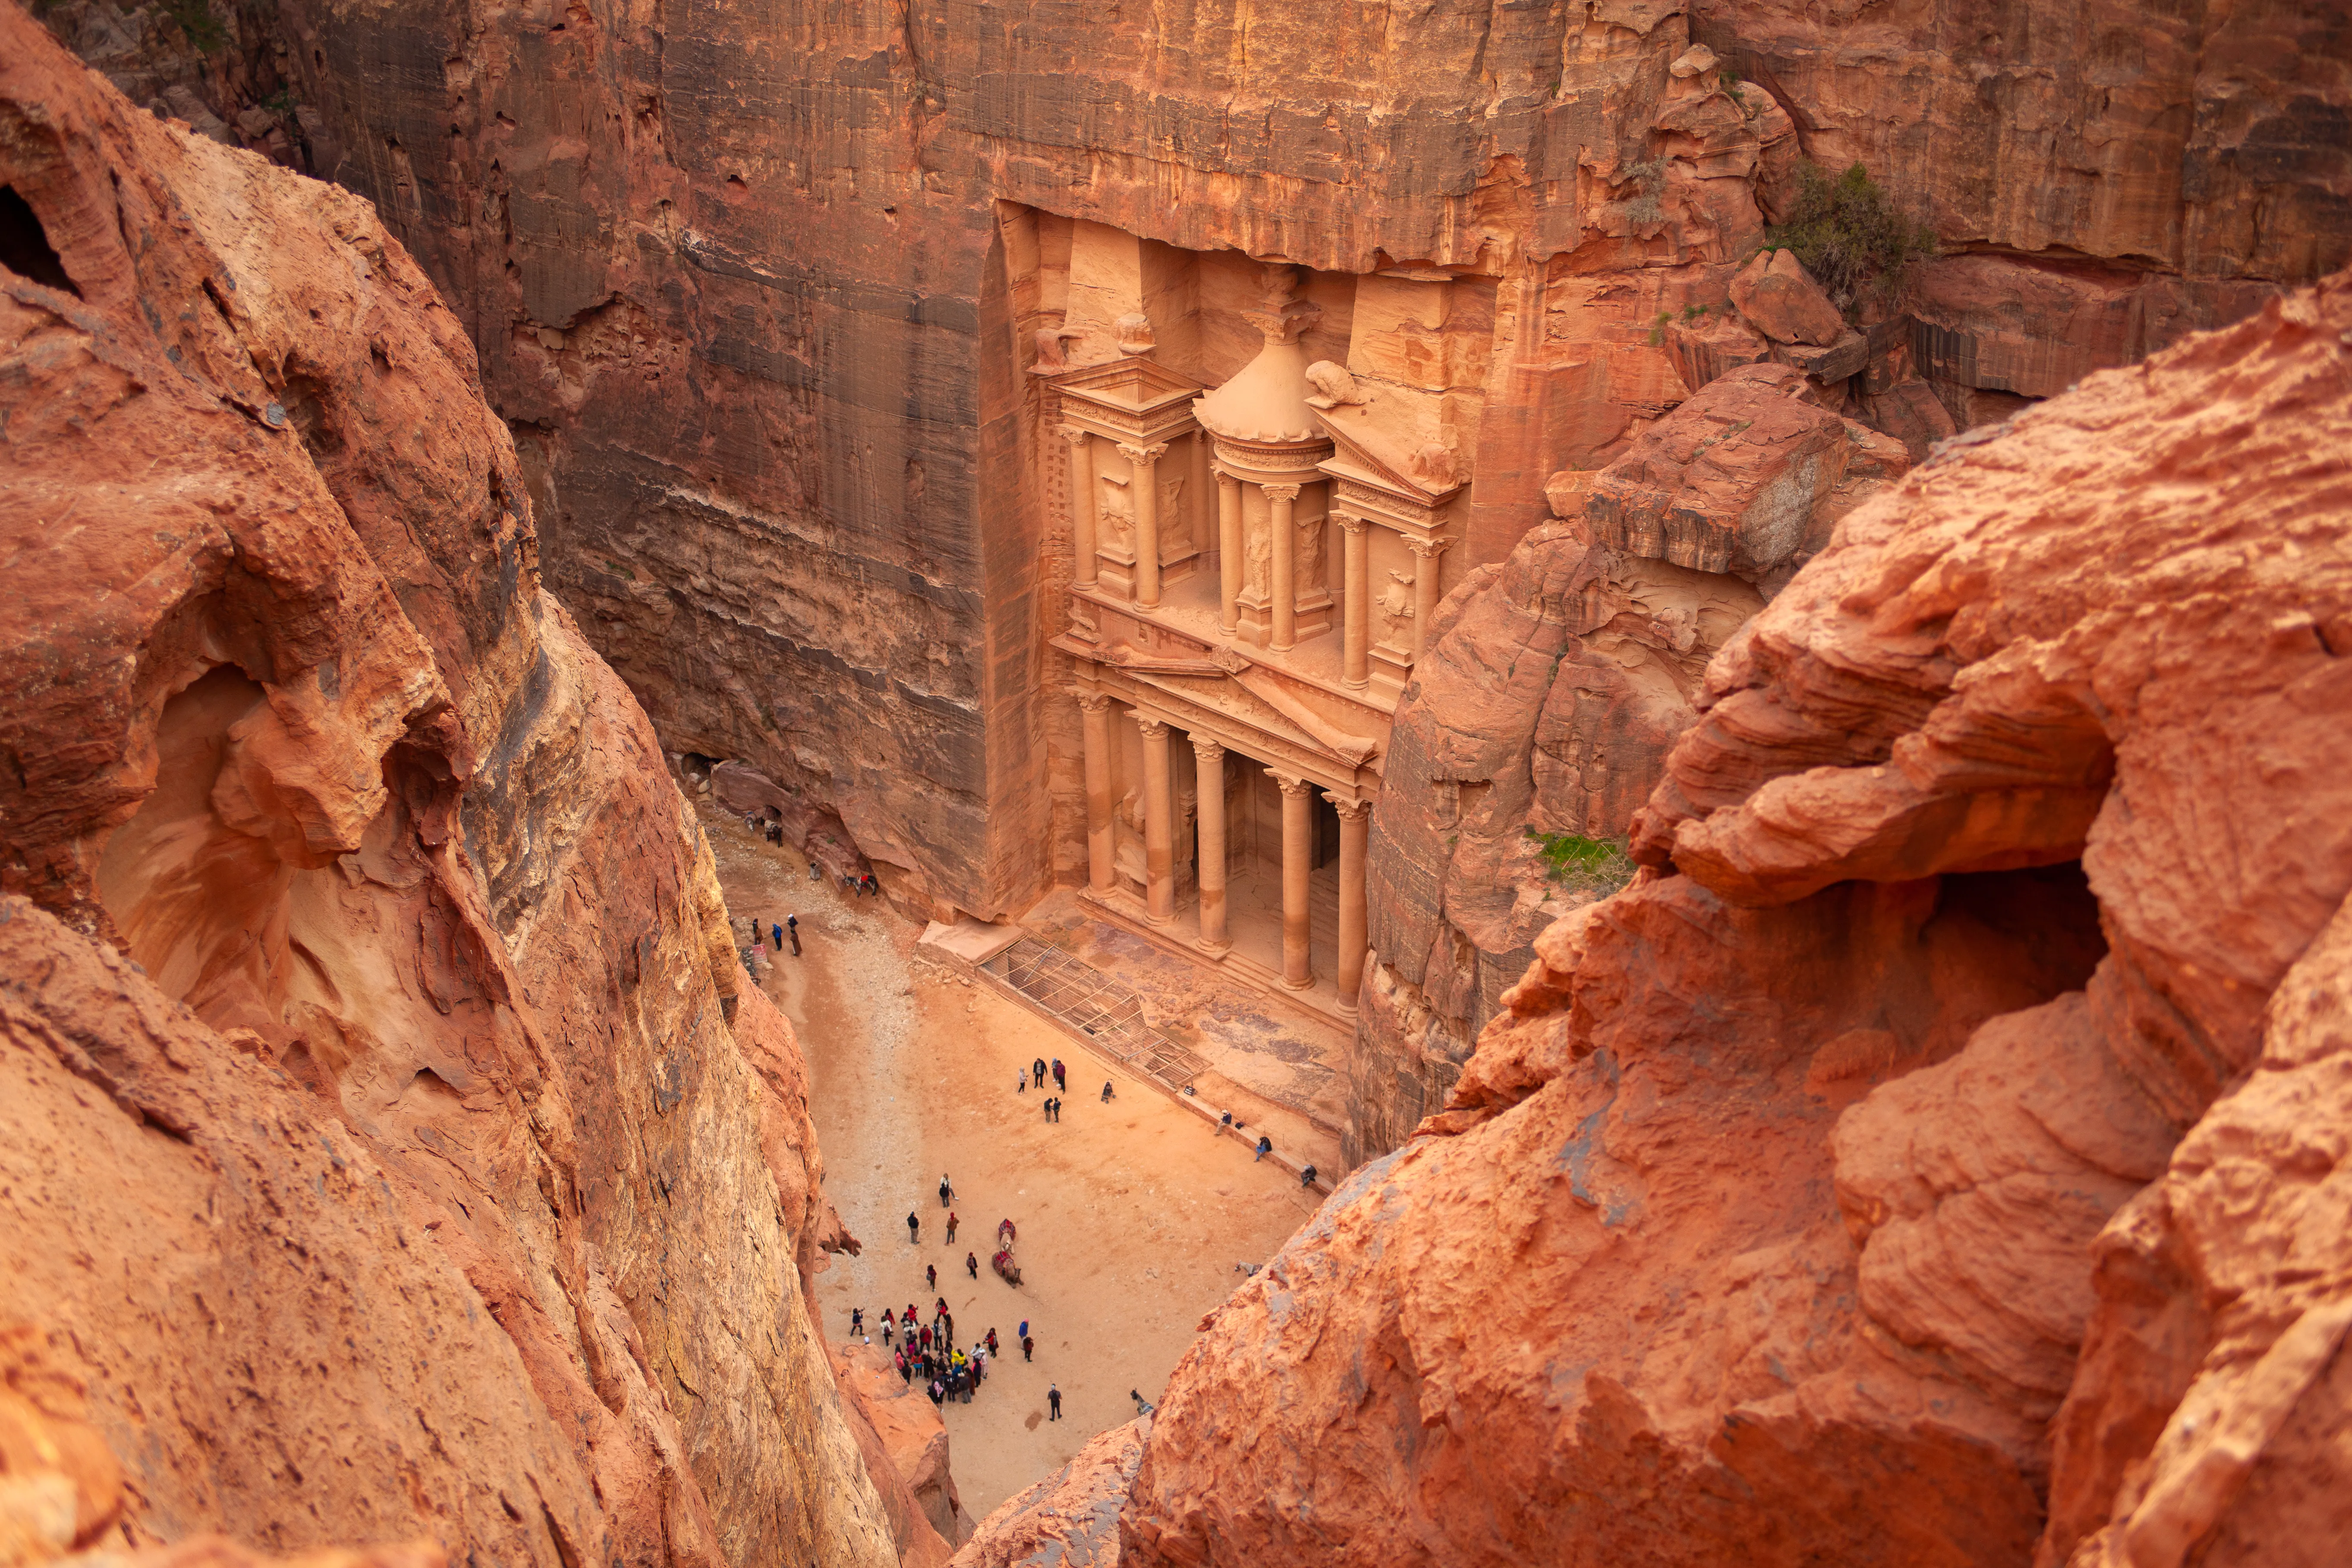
x,y
385,1143
1935,1156
1556,685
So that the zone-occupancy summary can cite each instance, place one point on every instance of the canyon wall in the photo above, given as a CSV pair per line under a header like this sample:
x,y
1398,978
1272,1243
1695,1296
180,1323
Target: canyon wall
x,y
1935,1155
753,284
388,1148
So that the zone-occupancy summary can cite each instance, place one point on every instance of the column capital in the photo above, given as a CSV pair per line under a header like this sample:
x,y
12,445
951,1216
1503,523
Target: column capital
x,y
1224,476
1142,454
1348,810
1207,748
1152,729
1280,492
1288,783
1094,701
1425,548
1350,524
1073,435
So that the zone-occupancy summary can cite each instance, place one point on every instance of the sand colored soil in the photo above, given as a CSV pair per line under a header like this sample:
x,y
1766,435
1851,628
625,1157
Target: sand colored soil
x,y
1132,1214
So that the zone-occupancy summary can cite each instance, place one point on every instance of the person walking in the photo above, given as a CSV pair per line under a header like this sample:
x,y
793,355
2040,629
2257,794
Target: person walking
x,y
856,1319
888,1324
951,1227
930,1275
793,929
1048,1108
914,1228
1023,1087
1061,1081
947,1191
991,1341
1053,1400
1106,1099
972,1264
1027,1344
1265,1147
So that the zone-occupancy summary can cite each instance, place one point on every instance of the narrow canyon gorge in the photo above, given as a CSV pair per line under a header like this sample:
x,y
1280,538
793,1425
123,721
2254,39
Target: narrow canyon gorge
x,y
1566,782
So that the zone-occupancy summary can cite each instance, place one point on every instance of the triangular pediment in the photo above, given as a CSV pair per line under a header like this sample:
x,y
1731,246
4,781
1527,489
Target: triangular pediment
x,y
1364,451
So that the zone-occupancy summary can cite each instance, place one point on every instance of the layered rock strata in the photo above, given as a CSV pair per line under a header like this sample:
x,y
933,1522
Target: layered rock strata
x,y
1930,1157
388,1143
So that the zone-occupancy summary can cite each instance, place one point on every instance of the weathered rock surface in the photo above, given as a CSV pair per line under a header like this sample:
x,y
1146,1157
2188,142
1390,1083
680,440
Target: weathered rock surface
x,y
1782,300
384,1127
1069,1520
905,1445
1556,685
1817,1198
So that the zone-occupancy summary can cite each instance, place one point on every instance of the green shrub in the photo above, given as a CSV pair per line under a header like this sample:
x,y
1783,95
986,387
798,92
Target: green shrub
x,y
1597,865
195,18
1848,234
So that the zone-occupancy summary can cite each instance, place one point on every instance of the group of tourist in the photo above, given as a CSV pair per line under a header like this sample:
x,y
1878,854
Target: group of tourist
x,y
930,1350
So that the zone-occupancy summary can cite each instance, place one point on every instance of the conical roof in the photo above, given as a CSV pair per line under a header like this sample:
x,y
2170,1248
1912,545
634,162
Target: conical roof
x,y
1267,401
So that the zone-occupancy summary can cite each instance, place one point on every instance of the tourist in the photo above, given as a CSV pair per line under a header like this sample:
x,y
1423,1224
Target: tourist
x,y
1306,1177
793,929
1142,1407
856,1319
1060,1082
947,1191
972,1264
924,1338
938,1391
906,1372
815,875
888,1324
1023,1087
930,1275
1226,1120
991,1341
1106,1099
1053,1398
1265,1147
914,1228
1027,1344
1048,1108
1037,1071
951,1224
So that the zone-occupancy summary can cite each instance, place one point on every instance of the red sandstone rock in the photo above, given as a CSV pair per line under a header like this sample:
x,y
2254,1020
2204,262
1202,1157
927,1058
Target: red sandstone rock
x,y
1817,1197
375,1129
1069,1520
906,1443
1780,299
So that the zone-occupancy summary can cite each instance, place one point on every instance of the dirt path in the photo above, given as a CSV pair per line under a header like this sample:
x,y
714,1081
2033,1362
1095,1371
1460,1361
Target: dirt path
x,y
1132,1214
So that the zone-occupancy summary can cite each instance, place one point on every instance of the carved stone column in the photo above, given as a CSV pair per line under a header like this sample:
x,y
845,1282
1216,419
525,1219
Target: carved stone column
x,y
1210,770
1357,637
1355,831
1158,817
1143,490
1424,590
1094,710
1082,504
1229,552
1298,853
1285,588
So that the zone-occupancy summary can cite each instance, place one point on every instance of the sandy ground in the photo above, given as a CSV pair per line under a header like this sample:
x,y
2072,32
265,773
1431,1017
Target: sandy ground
x,y
1132,1214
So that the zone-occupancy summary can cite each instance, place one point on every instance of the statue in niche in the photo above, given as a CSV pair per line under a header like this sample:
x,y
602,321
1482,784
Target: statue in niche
x,y
1127,838
1396,609
1175,528
1257,559
1118,514
1052,352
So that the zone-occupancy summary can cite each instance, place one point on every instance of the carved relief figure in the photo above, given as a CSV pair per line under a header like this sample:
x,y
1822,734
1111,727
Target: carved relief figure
x,y
1118,514
1258,557
1333,386
1396,609
1175,527
1126,833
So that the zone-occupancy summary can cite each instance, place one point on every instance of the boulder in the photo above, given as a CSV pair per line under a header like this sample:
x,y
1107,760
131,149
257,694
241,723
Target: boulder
x,y
1780,299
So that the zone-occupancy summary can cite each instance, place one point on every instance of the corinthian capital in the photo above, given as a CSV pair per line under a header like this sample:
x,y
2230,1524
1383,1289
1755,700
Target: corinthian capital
x,y
1145,455
1280,492
1094,701
1348,810
1075,436
1287,783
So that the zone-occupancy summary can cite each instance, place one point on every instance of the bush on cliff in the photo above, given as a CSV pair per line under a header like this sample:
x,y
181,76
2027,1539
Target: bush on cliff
x,y
1848,233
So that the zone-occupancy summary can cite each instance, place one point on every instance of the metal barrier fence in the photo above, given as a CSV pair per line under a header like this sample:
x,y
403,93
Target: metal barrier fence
x,y
1098,1009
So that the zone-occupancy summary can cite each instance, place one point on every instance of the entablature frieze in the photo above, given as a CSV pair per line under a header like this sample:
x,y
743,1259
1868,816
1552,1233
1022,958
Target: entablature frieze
x,y
1152,699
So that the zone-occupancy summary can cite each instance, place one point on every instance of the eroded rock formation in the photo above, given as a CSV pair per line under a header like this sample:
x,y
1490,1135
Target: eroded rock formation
x,y
1930,1159
1557,684
386,1145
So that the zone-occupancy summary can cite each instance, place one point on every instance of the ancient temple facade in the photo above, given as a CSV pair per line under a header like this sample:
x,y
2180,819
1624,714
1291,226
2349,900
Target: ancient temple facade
x,y
1253,566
